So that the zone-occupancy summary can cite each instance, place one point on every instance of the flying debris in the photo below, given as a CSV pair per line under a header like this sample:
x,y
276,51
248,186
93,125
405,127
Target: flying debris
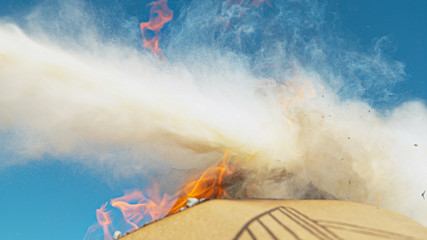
x,y
117,235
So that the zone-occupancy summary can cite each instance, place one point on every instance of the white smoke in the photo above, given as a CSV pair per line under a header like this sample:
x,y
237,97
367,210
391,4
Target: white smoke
x,y
106,104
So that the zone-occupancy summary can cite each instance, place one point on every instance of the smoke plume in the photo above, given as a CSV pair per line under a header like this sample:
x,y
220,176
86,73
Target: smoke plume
x,y
272,81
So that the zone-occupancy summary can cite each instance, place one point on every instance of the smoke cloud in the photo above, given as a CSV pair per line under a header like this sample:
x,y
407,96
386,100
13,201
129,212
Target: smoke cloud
x,y
275,83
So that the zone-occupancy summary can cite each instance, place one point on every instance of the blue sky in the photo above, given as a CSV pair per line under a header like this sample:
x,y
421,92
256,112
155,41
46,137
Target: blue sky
x,y
51,199
405,25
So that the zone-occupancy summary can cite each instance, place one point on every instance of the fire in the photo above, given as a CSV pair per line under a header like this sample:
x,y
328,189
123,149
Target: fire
x,y
209,185
136,205
152,205
104,222
160,14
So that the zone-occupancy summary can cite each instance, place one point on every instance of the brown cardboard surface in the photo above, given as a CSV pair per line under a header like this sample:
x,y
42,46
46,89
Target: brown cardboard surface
x,y
282,219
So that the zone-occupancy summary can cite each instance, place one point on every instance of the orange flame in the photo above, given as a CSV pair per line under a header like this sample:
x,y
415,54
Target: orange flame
x,y
160,14
152,205
104,222
209,185
135,205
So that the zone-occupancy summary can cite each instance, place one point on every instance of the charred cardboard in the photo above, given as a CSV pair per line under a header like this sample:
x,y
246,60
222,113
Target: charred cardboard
x,y
282,219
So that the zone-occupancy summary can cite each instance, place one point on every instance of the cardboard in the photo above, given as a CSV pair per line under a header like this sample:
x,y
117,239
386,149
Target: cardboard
x,y
282,219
